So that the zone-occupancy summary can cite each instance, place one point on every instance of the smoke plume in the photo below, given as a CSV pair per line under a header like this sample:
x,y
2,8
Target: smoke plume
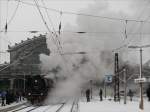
x,y
101,39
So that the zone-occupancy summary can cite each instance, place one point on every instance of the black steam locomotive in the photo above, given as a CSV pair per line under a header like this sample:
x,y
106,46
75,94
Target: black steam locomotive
x,y
37,88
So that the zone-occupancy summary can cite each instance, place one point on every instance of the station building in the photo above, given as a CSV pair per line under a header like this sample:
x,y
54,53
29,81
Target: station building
x,y
24,61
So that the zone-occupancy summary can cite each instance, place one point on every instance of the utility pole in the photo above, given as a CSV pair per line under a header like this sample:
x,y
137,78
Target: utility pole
x,y
141,104
125,86
91,88
116,86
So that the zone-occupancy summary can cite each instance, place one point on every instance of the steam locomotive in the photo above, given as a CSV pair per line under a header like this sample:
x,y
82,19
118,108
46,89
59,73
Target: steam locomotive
x,y
37,88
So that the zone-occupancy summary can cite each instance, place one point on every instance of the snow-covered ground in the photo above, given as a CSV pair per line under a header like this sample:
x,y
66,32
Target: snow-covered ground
x,y
111,106
95,106
11,105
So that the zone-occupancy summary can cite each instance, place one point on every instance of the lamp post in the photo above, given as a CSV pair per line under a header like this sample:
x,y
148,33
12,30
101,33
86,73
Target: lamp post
x,y
141,105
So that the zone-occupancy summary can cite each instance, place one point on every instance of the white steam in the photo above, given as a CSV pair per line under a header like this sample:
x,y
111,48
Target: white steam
x,y
108,35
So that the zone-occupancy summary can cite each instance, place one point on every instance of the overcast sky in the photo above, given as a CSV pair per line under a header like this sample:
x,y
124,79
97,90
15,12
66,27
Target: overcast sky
x,y
27,18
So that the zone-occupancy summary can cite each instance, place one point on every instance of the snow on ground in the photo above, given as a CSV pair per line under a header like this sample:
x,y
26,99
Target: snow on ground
x,y
11,105
111,106
23,106
51,108
96,106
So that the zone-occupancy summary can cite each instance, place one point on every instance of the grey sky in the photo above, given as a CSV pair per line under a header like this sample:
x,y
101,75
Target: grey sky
x,y
28,18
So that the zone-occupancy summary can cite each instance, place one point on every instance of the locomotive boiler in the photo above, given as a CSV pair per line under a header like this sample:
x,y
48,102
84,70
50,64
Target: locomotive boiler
x,y
37,88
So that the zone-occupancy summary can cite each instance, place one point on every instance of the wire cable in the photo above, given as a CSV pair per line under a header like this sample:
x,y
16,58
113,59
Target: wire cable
x,y
89,15
55,42
79,32
6,16
127,33
59,48
84,14
56,35
13,15
10,20
50,20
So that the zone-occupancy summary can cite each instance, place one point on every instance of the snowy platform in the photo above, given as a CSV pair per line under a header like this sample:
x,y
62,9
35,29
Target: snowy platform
x,y
95,106
111,106
11,106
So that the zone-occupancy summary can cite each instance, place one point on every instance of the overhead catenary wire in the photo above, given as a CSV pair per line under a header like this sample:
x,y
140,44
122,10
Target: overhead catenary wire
x,y
139,16
50,20
13,15
84,14
85,32
135,24
65,12
79,13
45,23
59,48
8,21
58,45
57,42
6,16
78,32
127,33
89,15
126,44
54,31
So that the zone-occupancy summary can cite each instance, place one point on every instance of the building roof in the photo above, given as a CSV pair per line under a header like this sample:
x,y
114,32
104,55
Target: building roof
x,y
23,43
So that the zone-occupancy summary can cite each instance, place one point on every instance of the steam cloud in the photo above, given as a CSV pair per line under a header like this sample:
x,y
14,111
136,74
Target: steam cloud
x,y
80,69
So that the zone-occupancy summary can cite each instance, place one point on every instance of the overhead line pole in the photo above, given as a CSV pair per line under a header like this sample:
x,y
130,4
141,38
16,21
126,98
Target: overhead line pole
x,y
141,104
125,86
116,86
141,85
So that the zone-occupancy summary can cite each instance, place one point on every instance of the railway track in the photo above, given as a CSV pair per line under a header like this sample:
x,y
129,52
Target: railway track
x,y
32,109
19,109
73,107
58,110
25,109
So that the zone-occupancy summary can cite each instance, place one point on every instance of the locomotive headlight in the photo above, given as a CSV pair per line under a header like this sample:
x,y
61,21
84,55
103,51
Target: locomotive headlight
x,y
41,94
29,94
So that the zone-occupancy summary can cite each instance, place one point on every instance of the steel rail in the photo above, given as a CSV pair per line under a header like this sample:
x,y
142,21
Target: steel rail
x,y
33,109
20,109
75,106
58,110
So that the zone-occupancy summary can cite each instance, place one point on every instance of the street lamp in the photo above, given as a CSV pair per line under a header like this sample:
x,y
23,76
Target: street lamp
x,y
141,105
